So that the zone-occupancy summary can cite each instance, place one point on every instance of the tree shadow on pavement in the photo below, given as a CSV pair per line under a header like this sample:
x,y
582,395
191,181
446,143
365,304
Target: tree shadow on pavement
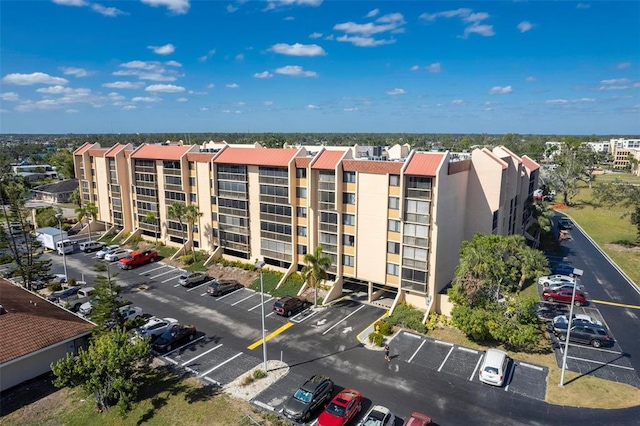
x,y
359,345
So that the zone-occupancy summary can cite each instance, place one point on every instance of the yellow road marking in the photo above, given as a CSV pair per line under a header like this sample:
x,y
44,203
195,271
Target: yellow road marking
x,y
622,305
270,335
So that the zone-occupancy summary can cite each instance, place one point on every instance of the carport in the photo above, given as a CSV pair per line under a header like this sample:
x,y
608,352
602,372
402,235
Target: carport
x,y
368,291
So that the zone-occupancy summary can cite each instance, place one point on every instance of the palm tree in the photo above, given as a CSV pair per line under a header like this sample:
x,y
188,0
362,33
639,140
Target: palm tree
x,y
89,212
192,214
150,217
532,263
178,210
75,197
315,270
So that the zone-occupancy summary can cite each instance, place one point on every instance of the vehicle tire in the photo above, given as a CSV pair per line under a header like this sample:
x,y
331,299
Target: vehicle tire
x,y
550,299
306,305
237,287
191,337
306,417
596,343
577,303
562,337
289,313
168,348
153,259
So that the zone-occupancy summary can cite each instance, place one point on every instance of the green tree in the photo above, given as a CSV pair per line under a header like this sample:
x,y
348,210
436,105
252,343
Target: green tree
x,y
625,194
178,210
192,214
110,367
75,197
532,263
151,218
106,300
62,159
315,270
90,212
46,216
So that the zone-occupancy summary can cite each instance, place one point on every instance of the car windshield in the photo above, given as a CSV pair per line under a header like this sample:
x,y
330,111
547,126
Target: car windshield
x,y
491,370
129,257
278,304
303,395
374,419
335,409
214,285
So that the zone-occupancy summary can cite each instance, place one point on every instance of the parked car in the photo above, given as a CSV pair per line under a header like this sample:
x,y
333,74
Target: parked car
x,y
154,328
378,416
73,303
106,250
218,287
493,369
48,279
312,394
190,279
63,294
418,419
137,258
563,269
89,246
289,305
564,296
565,224
561,286
130,312
116,254
549,279
171,338
342,408
561,322
589,334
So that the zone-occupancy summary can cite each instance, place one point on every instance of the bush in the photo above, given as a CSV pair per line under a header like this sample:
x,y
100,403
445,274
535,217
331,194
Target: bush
x,y
72,281
436,320
186,259
407,316
259,374
247,380
55,286
384,327
376,338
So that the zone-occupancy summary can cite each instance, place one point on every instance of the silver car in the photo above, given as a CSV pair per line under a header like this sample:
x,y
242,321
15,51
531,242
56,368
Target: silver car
x,y
116,255
193,278
106,250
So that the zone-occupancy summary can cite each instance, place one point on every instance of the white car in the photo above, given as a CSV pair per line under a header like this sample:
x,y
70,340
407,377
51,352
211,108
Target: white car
x,y
106,250
557,286
116,255
378,416
577,319
558,278
154,327
130,312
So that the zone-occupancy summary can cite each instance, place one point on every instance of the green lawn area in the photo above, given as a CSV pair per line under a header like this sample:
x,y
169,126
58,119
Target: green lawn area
x,y
291,287
166,252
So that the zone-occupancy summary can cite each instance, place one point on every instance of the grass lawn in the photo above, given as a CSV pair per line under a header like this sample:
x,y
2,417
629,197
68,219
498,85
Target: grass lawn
x,y
166,252
291,287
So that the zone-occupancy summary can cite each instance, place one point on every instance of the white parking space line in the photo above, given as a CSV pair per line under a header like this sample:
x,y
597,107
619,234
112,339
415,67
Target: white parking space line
x,y
215,383
416,352
260,304
154,269
162,273
304,318
202,354
415,336
592,348
172,361
198,286
601,363
475,369
242,300
184,346
535,367
170,279
513,367
176,285
342,320
268,315
227,295
221,364
445,359
471,351
440,342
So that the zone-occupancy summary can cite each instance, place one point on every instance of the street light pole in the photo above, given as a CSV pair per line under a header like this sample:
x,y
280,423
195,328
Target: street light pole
x,y
260,264
577,273
64,252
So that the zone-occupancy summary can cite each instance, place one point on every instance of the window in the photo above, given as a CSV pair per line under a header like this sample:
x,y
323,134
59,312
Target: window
x,y
213,200
494,224
192,180
214,217
349,219
175,196
394,203
191,165
302,249
193,197
347,260
171,164
301,211
394,180
301,192
349,177
393,247
301,173
394,225
173,180
348,240
393,269
302,231
348,198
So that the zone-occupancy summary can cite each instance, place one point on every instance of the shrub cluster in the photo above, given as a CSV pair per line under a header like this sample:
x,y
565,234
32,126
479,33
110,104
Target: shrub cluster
x,y
376,338
407,316
236,264
384,327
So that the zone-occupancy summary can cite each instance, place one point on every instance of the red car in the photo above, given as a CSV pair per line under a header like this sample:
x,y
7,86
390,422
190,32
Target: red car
x,y
418,419
564,295
138,258
342,408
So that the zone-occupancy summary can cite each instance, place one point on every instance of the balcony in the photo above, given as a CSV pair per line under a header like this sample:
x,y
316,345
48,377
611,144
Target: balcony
x,y
171,187
172,172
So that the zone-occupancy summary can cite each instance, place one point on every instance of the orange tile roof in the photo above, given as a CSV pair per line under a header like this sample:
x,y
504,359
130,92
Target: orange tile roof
x,y
98,152
33,323
161,152
274,157
328,160
376,167
529,163
201,157
114,150
303,162
127,153
84,148
424,163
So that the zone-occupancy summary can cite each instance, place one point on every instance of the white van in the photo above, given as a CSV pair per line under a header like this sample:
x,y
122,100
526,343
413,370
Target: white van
x,y
494,367
64,246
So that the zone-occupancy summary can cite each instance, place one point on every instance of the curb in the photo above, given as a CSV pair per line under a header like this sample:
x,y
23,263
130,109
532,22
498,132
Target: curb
x,y
364,334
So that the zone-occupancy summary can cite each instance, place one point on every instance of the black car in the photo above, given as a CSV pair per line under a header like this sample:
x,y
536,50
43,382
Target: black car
x,y
565,224
314,393
289,305
589,334
171,338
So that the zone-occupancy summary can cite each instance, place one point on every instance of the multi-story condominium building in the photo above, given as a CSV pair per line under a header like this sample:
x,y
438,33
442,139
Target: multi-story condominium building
x,y
622,150
392,226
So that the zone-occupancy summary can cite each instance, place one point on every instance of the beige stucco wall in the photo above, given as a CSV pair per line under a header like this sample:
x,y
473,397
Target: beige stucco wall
x,y
203,191
162,203
102,188
371,224
254,212
484,193
124,179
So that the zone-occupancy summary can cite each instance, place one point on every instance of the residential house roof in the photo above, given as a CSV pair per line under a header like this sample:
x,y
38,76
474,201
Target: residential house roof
x,y
375,167
529,163
201,157
161,152
274,157
303,162
33,323
424,163
327,160
61,187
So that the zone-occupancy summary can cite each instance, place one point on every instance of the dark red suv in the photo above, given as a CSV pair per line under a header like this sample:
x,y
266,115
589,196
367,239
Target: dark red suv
x,y
290,305
564,296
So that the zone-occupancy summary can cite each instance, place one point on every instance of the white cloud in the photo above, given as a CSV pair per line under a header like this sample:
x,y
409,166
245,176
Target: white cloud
x,y
9,96
298,49
130,107
267,103
232,85
462,12
240,57
467,16
623,65
525,26
361,35
263,74
167,49
231,8
396,91
76,72
33,78
615,81
4,111
315,35
164,88
273,4
484,30
557,101
372,13
111,12
530,79
583,6
71,2
178,7
204,109
147,70
210,86
56,90
434,68
209,54
295,71
174,63
123,85
458,102
182,99
350,109
146,99
71,111
311,106
225,111
498,90
289,18
363,41
415,68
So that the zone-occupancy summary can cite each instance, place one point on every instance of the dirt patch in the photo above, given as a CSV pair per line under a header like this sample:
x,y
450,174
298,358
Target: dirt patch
x,y
35,396
622,248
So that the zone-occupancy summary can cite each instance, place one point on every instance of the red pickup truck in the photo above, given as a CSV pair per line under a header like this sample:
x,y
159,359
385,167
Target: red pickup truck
x,y
137,258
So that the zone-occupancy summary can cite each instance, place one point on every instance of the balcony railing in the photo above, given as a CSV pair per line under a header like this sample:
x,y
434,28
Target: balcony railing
x,y
275,236
172,172
275,255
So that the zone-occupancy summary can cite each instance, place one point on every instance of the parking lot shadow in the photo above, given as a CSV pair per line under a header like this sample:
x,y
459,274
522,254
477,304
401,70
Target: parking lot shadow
x,y
593,370
159,384
201,394
359,345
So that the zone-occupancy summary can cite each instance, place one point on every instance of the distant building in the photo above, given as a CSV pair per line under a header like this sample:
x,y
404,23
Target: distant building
x,y
35,172
57,192
621,150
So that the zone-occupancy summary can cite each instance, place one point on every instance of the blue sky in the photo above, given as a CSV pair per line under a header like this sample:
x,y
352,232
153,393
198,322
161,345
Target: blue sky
x,y
81,66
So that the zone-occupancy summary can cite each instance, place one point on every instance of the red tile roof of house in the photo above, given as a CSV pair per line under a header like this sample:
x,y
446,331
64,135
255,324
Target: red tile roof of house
x,y
328,160
529,163
114,150
84,148
201,157
161,152
273,157
303,162
33,323
376,167
424,163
